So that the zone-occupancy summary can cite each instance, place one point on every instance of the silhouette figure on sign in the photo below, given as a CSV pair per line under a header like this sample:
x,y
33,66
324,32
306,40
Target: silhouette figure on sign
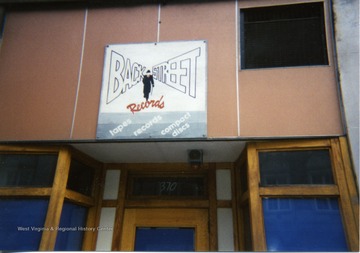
x,y
148,82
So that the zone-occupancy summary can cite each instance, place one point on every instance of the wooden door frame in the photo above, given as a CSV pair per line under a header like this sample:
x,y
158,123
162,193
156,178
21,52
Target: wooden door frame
x,y
211,204
165,217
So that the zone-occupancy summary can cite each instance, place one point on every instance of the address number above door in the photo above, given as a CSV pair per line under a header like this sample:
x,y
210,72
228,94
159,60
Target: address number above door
x,y
163,186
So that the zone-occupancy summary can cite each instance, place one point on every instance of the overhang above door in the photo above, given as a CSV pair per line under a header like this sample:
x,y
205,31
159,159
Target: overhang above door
x,y
162,151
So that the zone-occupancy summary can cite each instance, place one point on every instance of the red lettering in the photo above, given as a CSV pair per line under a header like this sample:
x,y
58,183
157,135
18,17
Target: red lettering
x,y
133,107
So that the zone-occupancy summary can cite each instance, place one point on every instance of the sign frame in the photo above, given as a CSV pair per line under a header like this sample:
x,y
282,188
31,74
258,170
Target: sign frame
x,y
154,90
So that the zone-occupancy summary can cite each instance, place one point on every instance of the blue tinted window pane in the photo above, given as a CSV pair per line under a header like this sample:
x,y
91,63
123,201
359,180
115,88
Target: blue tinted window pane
x,y
21,223
303,225
164,239
72,227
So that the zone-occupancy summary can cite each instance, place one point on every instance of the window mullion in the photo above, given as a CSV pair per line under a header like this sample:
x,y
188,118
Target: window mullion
x,y
79,198
293,191
25,192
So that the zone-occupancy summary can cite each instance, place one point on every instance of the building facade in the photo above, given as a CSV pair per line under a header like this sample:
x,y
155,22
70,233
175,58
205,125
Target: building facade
x,y
179,125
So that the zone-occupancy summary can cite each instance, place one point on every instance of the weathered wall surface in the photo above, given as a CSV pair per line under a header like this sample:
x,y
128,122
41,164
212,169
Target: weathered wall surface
x,y
346,19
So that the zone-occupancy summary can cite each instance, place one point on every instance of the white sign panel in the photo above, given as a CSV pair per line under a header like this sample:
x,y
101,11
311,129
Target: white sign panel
x,y
154,90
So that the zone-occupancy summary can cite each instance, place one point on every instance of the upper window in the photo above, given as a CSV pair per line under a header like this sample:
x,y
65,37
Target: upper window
x,y
80,178
295,167
27,170
283,36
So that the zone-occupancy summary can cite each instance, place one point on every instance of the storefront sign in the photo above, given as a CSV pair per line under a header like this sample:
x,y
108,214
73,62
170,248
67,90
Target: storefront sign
x,y
154,90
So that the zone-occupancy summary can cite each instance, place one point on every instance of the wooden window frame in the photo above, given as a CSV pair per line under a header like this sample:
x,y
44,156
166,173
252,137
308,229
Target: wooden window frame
x,y
344,187
58,192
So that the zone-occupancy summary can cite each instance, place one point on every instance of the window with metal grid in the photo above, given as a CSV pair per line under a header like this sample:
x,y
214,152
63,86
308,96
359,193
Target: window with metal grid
x,y
283,36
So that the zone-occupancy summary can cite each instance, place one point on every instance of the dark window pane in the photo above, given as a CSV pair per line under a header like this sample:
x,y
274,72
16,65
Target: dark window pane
x,y
243,178
72,227
80,178
169,186
247,227
295,167
303,225
280,36
21,223
27,170
165,239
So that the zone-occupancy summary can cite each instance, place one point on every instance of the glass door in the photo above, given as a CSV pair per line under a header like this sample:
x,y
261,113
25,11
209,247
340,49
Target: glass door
x,y
165,229
164,239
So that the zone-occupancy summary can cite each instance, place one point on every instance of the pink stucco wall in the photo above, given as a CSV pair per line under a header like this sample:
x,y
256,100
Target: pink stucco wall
x,y
50,75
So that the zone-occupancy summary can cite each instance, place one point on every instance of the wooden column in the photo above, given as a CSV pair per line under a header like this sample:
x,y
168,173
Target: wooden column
x,y
234,208
256,214
350,178
57,196
213,235
345,200
93,219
